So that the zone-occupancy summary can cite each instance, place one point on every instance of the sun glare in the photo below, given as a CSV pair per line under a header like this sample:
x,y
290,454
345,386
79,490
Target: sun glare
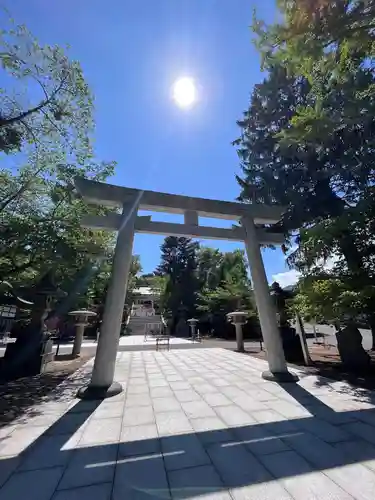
x,y
184,92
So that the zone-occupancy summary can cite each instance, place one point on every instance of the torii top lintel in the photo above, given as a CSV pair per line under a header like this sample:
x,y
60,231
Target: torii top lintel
x,y
111,195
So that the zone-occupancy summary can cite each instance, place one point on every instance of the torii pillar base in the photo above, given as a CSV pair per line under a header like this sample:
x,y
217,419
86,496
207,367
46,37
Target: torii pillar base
x,y
94,393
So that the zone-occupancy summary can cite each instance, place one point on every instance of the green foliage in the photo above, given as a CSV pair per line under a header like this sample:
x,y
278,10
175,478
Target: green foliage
x,y
226,298
41,229
46,123
307,143
203,281
57,118
329,299
179,264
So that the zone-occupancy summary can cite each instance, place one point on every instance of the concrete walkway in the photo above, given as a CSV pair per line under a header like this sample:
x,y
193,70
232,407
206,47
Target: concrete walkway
x,y
197,423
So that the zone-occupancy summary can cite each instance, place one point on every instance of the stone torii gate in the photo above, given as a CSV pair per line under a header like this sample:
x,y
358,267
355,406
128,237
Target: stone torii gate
x,y
131,200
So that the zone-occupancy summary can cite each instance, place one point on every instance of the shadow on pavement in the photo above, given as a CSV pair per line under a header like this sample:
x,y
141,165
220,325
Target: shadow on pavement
x,y
136,463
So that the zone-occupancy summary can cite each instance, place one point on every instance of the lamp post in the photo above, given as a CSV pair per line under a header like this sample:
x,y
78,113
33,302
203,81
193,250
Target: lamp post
x,y
238,318
81,320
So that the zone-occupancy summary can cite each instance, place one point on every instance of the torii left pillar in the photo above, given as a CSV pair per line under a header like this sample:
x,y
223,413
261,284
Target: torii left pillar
x,y
102,384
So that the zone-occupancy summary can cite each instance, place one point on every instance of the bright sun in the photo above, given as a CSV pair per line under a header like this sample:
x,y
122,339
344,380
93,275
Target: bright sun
x,y
184,92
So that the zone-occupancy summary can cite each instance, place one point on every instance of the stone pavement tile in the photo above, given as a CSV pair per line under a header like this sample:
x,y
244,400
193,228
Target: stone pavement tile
x,y
83,406
245,384
139,440
182,451
367,416
325,413
172,422
337,403
196,380
180,386
70,423
233,379
271,388
258,440
273,417
137,373
205,388
94,492
90,466
354,478
249,404
32,485
197,409
236,466
221,382
166,404
138,389
50,451
137,381
216,399
288,410
137,400
161,392
101,431
231,391
154,374
270,490
140,478
358,451
7,466
174,378
161,382
109,410
138,415
362,430
262,395
20,439
324,430
187,395
201,483
212,430
300,480
233,415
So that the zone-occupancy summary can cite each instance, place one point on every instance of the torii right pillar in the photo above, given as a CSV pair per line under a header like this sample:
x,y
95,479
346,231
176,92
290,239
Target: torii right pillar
x,y
278,370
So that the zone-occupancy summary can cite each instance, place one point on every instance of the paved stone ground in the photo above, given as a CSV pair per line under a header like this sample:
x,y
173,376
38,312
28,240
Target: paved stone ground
x,y
197,423
131,342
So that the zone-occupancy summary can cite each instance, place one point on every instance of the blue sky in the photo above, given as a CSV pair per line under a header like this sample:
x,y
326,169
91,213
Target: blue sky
x,y
131,52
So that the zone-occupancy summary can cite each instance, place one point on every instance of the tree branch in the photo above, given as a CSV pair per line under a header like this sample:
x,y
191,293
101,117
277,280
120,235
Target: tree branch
x,y
9,121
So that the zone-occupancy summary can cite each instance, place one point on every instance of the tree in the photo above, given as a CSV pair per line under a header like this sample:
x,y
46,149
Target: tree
x,y
209,267
42,228
46,123
225,286
324,177
45,109
328,299
179,263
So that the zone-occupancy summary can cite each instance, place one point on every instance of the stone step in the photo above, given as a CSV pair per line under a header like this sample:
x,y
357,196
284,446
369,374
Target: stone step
x,y
138,324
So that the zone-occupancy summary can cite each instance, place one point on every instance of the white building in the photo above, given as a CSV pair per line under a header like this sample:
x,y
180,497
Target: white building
x,y
145,302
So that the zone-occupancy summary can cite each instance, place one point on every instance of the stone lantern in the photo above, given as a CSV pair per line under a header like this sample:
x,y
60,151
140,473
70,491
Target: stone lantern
x,y
44,294
238,318
81,319
9,305
193,326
